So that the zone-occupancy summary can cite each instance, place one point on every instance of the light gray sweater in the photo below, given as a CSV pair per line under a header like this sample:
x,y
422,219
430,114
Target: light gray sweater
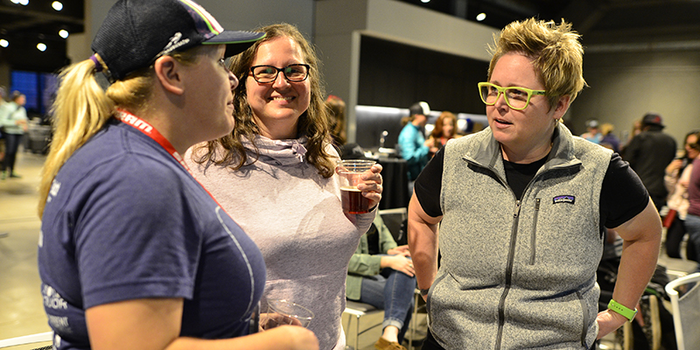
x,y
295,216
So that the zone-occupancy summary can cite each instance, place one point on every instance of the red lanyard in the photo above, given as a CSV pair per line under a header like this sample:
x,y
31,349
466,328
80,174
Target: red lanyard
x,y
143,126
148,129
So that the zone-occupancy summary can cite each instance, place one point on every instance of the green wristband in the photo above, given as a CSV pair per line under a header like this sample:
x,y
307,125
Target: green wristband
x,y
622,310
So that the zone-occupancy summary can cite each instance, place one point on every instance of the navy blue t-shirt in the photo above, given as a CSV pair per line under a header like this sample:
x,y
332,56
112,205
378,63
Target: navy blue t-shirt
x,y
124,220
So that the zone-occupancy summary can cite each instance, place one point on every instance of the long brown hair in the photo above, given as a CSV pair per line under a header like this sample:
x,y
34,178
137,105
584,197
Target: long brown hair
x,y
313,123
437,131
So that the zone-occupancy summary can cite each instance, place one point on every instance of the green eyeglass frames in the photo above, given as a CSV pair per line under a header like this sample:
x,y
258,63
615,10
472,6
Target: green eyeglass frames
x,y
517,98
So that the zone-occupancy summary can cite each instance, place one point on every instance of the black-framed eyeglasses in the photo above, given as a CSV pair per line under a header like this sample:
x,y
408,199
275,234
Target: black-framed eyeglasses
x,y
267,74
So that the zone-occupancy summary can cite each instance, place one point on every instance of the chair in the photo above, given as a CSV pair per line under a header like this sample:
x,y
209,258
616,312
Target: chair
x,y
417,298
394,219
28,339
358,312
686,310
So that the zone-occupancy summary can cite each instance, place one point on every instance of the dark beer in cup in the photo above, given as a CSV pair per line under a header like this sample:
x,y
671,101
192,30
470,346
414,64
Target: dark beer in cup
x,y
353,201
350,172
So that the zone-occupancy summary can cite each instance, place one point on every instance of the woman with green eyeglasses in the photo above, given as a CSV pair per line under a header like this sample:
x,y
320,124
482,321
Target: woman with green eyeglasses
x,y
521,207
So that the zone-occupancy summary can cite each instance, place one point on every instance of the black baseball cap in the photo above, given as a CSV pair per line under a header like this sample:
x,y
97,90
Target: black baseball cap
x,y
653,119
136,32
421,108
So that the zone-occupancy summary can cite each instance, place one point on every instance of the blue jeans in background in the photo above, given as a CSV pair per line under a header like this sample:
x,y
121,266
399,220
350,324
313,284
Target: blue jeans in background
x,y
12,142
393,294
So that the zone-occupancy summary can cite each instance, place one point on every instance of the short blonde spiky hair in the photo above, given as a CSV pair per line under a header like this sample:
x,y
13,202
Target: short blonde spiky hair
x,y
555,50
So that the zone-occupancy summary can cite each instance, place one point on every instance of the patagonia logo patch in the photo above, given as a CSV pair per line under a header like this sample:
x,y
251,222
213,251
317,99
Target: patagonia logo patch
x,y
564,199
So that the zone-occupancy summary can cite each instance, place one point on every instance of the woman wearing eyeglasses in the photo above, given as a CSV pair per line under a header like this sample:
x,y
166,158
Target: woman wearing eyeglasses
x,y
275,176
521,206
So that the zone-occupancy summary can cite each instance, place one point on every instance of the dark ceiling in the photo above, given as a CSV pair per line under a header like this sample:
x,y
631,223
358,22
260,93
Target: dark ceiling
x,y
25,26
612,22
599,21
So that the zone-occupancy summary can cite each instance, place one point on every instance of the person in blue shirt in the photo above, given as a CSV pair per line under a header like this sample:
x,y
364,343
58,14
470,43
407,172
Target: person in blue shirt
x,y
412,145
592,133
134,253
13,120
609,139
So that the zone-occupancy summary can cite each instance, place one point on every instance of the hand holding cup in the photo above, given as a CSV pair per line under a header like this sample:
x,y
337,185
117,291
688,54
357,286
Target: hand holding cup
x,y
360,185
283,312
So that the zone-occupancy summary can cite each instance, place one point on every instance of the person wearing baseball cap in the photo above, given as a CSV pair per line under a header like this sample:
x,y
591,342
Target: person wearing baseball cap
x,y
653,119
592,133
648,153
134,253
412,143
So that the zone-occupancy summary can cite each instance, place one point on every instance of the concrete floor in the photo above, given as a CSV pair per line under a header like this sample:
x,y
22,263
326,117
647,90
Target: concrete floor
x,y
21,310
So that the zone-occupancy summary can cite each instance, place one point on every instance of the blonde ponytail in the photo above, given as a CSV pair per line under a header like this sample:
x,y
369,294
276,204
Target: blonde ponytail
x,y
80,110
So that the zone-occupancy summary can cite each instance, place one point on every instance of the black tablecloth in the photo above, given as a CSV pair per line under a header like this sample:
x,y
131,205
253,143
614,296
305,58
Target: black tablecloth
x,y
395,178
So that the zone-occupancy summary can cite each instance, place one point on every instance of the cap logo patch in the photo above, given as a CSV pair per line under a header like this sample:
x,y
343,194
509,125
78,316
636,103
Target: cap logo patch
x,y
564,199
175,42
206,24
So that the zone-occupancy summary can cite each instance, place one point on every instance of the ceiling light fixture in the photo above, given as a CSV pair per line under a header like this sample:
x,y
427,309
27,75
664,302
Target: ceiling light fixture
x,y
21,2
41,47
4,43
480,17
57,5
425,1
63,33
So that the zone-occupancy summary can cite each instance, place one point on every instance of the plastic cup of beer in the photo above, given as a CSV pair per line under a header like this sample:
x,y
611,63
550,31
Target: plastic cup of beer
x,y
350,172
284,312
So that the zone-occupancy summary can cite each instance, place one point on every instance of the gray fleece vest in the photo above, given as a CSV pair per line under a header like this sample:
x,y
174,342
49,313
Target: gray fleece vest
x,y
519,274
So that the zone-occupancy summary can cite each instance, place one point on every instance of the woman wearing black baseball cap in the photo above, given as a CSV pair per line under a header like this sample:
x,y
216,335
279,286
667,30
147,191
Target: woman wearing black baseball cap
x,y
134,253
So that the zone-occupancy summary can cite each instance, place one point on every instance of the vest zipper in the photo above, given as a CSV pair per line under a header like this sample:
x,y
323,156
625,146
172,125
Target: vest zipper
x,y
511,253
533,237
509,276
